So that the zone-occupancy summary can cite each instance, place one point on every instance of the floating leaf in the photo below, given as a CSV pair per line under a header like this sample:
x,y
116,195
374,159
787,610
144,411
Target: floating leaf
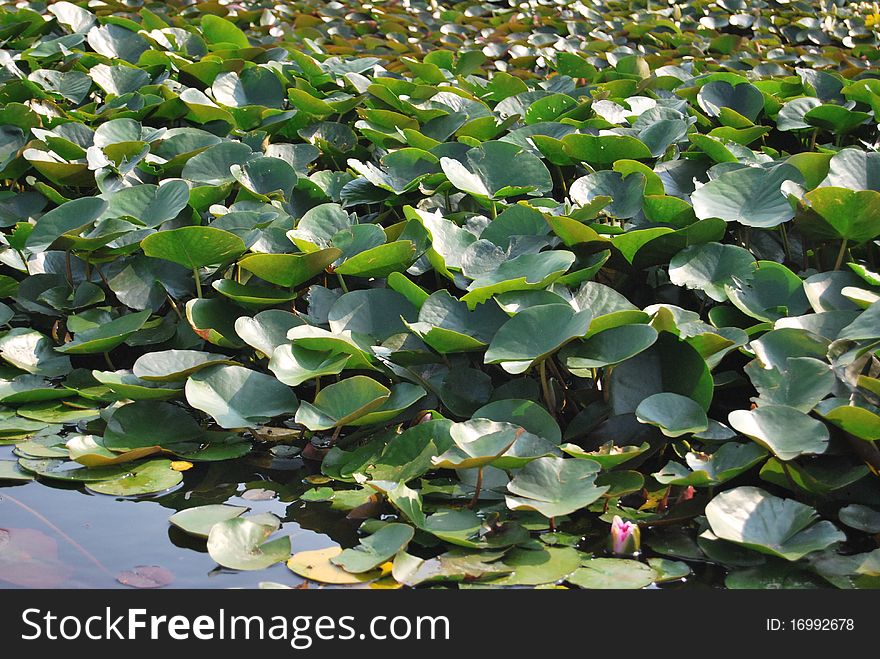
x,y
751,517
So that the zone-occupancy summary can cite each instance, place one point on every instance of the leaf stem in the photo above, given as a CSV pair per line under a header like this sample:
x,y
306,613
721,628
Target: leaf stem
x,y
545,387
841,254
478,486
109,361
198,281
342,282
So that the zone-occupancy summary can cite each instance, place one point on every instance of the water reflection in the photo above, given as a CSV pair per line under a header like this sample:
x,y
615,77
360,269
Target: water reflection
x,y
107,535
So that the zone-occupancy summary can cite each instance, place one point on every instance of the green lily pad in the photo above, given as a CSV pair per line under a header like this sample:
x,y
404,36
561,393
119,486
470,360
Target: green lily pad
x,y
289,270
243,544
480,442
674,414
198,521
534,567
375,549
147,478
785,431
498,169
608,347
238,397
533,334
709,470
343,402
105,337
554,486
841,214
863,518
175,365
612,573
751,196
194,247
709,267
786,528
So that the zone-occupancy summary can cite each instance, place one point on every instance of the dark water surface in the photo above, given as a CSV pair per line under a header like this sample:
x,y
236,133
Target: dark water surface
x,y
120,533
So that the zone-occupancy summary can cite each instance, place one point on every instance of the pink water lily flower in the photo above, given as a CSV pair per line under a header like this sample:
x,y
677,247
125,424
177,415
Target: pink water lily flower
x,y
625,537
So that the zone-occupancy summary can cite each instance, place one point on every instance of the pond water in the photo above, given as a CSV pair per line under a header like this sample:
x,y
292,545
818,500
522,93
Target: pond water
x,y
116,534
98,537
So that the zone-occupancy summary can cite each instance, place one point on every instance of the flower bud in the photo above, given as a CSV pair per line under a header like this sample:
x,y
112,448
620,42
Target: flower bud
x,y
626,538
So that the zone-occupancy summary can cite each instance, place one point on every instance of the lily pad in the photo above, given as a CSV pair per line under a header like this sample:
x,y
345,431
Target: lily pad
x,y
241,543
554,486
786,528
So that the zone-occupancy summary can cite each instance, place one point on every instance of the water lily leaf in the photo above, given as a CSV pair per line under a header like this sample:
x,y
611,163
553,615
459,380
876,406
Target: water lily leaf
x,y
533,334
773,292
267,330
800,383
554,486
146,576
859,421
90,451
213,166
65,470
612,573
214,321
604,149
338,404
375,549
674,414
498,169
709,470
446,324
107,336
452,566
521,273
380,261
11,471
523,413
241,543
608,455
670,365
710,267
69,218
626,192
316,565
30,351
786,528
194,247
149,423
68,412
147,478
289,270
841,214
174,365
744,98
374,312
480,442
238,397
751,196
608,347
534,567
860,517
403,395
785,431
219,31
29,389
253,86
147,204
198,521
